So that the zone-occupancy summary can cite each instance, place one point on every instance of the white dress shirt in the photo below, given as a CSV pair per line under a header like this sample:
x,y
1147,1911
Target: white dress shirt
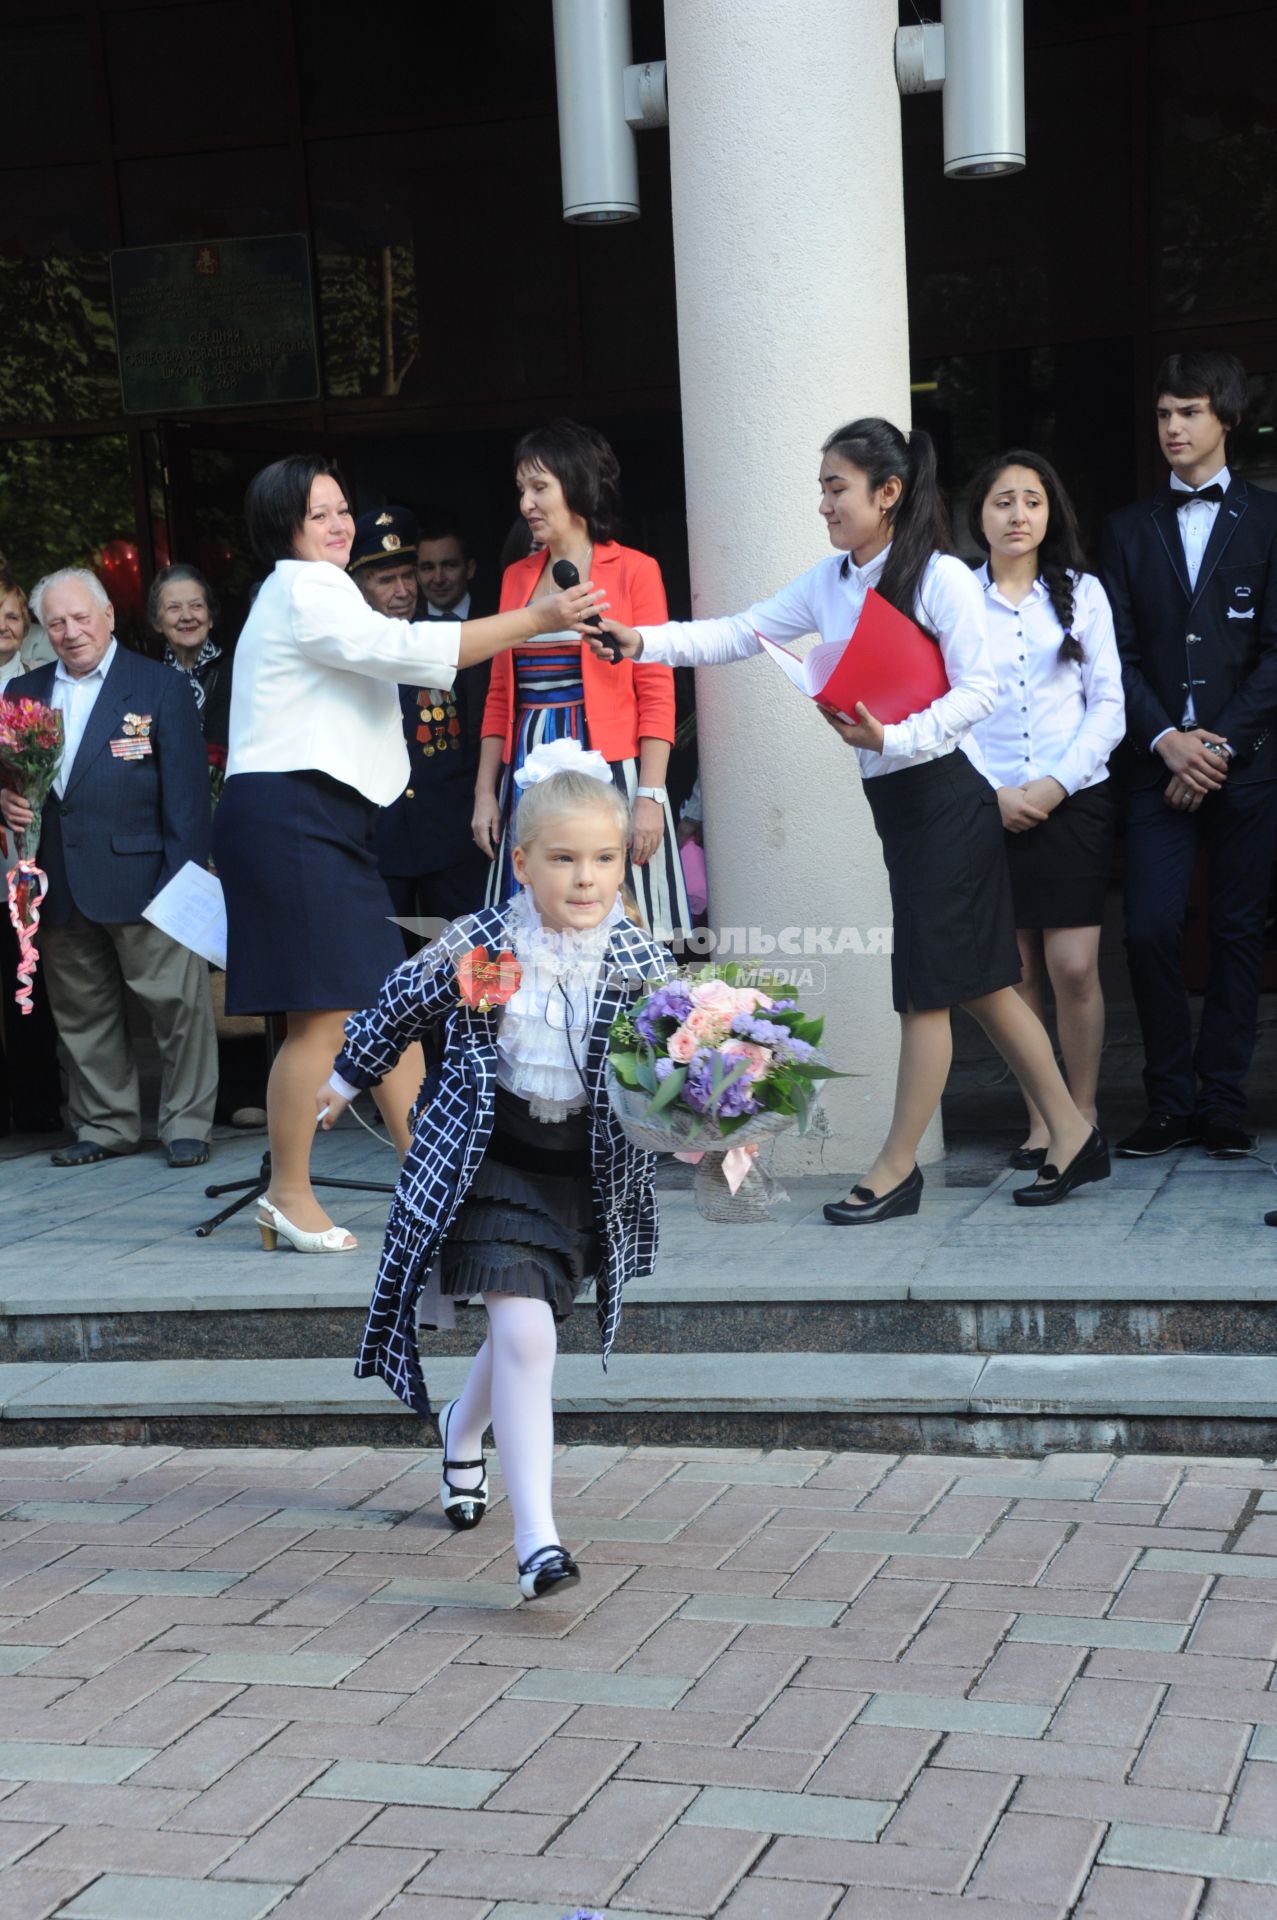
x,y
75,699
316,678
827,600
460,612
1196,523
1054,718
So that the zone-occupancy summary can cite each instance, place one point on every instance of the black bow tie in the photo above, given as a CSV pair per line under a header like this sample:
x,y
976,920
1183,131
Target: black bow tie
x,y
1213,492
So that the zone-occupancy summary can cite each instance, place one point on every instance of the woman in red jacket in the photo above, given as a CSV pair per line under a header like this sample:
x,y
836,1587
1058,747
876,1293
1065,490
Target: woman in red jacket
x,y
567,476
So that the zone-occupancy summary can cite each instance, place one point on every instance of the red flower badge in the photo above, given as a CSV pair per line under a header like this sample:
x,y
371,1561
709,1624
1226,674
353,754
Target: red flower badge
x,y
483,983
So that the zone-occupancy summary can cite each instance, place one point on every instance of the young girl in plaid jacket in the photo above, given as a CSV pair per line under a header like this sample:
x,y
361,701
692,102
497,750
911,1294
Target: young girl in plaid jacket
x,y
519,1184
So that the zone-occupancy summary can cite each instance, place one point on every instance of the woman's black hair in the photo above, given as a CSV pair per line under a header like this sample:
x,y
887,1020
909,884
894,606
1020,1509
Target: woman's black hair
x,y
586,468
1060,558
919,520
166,577
278,500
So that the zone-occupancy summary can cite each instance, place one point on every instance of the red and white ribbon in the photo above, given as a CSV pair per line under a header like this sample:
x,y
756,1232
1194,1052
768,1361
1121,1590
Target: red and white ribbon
x,y
28,885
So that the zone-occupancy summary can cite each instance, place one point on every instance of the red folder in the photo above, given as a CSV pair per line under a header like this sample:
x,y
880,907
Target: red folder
x,y
888,662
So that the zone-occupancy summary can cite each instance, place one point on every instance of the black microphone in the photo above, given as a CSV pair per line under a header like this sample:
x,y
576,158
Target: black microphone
x,y
565,575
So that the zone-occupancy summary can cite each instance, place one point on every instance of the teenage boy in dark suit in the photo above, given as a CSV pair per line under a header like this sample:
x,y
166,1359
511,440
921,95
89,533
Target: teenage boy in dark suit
x,y
1192,577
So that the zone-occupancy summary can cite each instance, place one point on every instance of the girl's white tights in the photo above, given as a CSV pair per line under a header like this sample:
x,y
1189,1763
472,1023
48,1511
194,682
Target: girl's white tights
x,y
509,1386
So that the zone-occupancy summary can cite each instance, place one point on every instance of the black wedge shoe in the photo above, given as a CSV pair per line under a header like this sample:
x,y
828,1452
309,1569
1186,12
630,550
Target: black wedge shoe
x,y
872,1207
464,1506
1026,1159
1051,1186
545,1571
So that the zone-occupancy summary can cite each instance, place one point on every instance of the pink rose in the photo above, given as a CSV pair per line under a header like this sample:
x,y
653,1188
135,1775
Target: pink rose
x,y
750,999
759,1058
716,994
681,1045
708,1025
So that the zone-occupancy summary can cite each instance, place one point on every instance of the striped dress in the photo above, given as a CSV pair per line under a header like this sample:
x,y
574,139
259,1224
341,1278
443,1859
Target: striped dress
x,y
550,705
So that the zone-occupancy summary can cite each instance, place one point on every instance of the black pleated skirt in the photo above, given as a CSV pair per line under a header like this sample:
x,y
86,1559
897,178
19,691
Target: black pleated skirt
x,y
943,843
308,923
1060,870
526,1226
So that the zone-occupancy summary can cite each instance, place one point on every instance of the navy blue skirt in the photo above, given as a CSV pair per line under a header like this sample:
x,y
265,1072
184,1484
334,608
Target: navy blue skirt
x,y
307,912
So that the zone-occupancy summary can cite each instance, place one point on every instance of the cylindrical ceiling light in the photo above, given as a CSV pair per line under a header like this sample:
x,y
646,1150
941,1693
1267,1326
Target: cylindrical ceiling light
x,y
983,88
596,143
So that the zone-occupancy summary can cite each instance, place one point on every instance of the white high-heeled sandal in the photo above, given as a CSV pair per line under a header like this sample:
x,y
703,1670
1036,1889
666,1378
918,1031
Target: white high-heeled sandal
x,y
278,1226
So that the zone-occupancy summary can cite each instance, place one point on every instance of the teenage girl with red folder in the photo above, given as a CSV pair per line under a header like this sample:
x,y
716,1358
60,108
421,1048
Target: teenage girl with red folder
x,y
936,815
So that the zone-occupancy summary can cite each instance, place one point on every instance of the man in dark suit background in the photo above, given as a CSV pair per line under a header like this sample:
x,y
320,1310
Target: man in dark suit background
x,y
1192,577
129,808
425,848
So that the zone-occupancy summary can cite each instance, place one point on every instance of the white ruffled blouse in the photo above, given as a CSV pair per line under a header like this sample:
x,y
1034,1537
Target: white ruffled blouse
x,y
541,1040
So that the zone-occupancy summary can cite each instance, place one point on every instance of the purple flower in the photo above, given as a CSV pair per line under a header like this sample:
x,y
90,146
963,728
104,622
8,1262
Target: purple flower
x,y
764,1033
698,1088
664,1067
670,1002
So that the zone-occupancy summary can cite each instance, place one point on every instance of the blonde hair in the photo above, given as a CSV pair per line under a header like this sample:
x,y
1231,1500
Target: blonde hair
x,y
568,793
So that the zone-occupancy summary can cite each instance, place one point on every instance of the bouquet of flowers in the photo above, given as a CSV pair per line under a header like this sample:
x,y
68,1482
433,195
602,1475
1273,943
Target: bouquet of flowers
x,y
710,1067
30,755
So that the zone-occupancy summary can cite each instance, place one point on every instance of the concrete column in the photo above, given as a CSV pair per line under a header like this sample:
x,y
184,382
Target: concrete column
x,y
790,259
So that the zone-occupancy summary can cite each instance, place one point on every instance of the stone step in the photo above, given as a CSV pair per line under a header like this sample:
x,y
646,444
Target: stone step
x,y
666,1320
942,1402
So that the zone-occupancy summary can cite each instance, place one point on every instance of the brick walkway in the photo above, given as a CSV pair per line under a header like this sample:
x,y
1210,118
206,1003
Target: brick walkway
x,y
791,1686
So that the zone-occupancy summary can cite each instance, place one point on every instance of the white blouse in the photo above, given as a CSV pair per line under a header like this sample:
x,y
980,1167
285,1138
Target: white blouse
x,y
1054,718
827,600
316,680
542,1036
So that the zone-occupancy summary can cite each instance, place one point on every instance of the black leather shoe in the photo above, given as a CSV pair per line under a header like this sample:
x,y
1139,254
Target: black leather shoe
x,y
545,1571
870,1207
1026,1159
1159,1133
1225,1138
1091,1163
464,1506
187,1153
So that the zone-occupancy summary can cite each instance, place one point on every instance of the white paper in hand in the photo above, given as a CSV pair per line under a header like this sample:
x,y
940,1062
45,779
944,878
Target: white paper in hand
x,y
192,910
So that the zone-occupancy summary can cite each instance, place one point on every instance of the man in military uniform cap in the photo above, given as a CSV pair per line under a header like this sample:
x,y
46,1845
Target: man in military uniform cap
x,y
425,848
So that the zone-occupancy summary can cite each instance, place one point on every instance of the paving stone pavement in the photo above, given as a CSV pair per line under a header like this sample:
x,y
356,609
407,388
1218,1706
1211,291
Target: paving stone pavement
x,y
792,1686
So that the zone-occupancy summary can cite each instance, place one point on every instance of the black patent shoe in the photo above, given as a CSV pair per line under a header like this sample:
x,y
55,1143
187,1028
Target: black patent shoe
x,y
545,1571
1051,1186
463,1506
1026,1159
870,1207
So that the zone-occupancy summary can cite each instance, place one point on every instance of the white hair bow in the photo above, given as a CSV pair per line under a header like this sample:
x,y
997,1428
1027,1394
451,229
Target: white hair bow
x,y
561,756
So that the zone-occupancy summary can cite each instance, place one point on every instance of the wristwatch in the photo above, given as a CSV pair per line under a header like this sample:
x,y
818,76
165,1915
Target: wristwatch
x,y
651,793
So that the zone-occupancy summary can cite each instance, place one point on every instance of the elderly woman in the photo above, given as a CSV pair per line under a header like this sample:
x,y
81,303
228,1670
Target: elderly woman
x,y
316,748
568,479
29,1089
181,610
15,624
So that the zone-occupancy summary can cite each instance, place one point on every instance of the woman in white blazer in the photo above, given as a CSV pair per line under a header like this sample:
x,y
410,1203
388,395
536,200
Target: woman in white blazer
x,y
316,749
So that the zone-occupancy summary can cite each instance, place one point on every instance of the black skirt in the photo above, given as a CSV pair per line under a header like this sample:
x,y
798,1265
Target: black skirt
x,y
308,923
942,840
526,1226
1060,870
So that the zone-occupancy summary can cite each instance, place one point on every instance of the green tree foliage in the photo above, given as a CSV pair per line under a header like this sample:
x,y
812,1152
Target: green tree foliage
x,y
61,500
57,339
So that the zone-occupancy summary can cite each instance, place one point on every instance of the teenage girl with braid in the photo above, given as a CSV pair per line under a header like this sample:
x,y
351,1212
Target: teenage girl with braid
x,y
1059,715
935,813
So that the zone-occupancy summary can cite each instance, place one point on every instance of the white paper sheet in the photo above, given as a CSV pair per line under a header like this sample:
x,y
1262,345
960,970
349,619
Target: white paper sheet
x,y
810,672
191,910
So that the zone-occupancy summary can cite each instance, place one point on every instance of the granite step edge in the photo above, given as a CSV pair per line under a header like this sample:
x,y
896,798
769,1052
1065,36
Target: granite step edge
x,y
1198,1386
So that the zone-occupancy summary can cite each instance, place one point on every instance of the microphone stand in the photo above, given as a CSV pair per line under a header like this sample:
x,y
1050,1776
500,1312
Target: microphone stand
x,y
252,1190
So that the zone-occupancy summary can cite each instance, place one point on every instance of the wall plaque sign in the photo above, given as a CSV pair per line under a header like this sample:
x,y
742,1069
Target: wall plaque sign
x,y
215,323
